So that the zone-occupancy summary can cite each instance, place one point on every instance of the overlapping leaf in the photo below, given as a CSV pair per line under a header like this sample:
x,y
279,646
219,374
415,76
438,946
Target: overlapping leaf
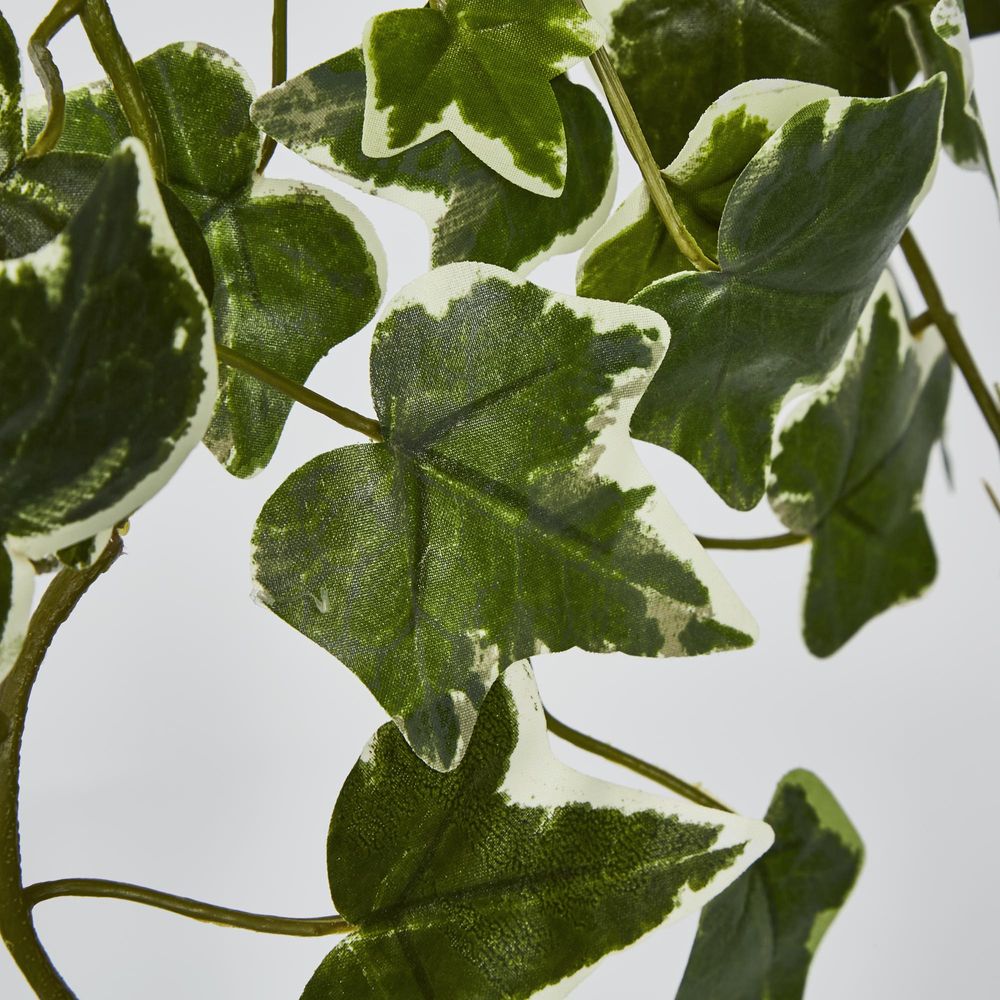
x,y
506,514
634,249
107,365
16,587
480,69
513,874
805,234
850,467
11,115
473,213
297,269
757,939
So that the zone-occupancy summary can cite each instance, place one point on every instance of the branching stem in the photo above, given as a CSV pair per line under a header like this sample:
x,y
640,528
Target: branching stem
x,y
279,69
768,542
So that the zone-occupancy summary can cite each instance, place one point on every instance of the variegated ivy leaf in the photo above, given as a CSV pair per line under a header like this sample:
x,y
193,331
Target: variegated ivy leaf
x,y
757,939
939,36
297,269
11,114
805,234
675,57
472,212
506,514
16,588
107,365
634,248
513,875
849,470
480,69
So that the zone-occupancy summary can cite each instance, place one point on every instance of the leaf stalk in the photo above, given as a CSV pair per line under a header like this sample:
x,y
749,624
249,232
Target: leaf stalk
x,y
279,69
768,542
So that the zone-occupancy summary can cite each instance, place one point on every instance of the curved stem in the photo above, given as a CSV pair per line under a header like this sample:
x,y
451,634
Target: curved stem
x,y
768,542
945,322
206,912
59,600
288,387
639,766
279,69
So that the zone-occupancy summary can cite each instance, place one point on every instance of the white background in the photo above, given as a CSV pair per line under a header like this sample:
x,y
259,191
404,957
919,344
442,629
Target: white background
x,y
182,737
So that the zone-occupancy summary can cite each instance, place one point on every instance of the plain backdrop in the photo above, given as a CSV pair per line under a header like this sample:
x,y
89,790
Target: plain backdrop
x,y
182,737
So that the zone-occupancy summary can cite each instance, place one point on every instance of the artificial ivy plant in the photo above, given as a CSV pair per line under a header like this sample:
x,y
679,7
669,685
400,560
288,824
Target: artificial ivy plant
x,y
159,288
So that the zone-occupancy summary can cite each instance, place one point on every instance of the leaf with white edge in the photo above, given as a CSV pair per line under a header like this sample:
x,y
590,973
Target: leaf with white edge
x,y
11,113
675,57
805,234
506,514
633,249
757,939
107,365
472,212
939,36
17,585
849,470
514,874
480,69
297,269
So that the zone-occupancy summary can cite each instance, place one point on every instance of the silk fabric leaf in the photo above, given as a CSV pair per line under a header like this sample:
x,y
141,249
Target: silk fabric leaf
x,y
472,212
805,234
107,364
633,249
480,69
16,589
11,113
849,470
507,512
297,269
512,875
675,57
757,939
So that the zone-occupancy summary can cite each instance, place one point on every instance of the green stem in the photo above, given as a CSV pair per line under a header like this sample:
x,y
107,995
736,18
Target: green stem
x,y
288,387
768,542
992,495
59,600
206,912
950,332
279,69
920,323
647,770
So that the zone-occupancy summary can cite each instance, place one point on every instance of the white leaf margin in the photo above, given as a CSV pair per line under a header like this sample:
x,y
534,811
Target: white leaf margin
x,y
14,626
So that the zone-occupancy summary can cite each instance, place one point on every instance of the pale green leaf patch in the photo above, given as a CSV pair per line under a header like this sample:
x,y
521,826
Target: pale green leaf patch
x,y
17,585
849,470
107,365
480,69
506,514
633,249
512,875
757,939
297,269
473,213
805,235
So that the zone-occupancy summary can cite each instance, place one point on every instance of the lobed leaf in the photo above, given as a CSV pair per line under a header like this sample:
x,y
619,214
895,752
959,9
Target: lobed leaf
x,y
849,470
512,875
472,212
506,513
805,234
757,939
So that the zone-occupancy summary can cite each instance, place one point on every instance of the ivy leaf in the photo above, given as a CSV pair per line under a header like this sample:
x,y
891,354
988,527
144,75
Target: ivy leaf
x,y
17,584
757,939
804,237
983,17
850,467
107,365
297,269
472,212
512,875
507,512
634,248
675,57
11,113
479,69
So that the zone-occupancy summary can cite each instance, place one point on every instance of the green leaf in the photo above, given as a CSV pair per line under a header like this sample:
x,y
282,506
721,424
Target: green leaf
x,y
983,17
297,269
506,514
804,237
107,365
675,57
634,248
11,113
512,875
479,69
17,584
757,939
849,470
472,212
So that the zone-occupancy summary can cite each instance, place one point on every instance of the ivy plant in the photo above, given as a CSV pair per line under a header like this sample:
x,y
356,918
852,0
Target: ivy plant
x,y
158,288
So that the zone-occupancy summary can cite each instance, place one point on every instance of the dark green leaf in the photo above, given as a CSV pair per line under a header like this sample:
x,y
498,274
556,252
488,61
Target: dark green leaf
x,y
11,113
983,16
